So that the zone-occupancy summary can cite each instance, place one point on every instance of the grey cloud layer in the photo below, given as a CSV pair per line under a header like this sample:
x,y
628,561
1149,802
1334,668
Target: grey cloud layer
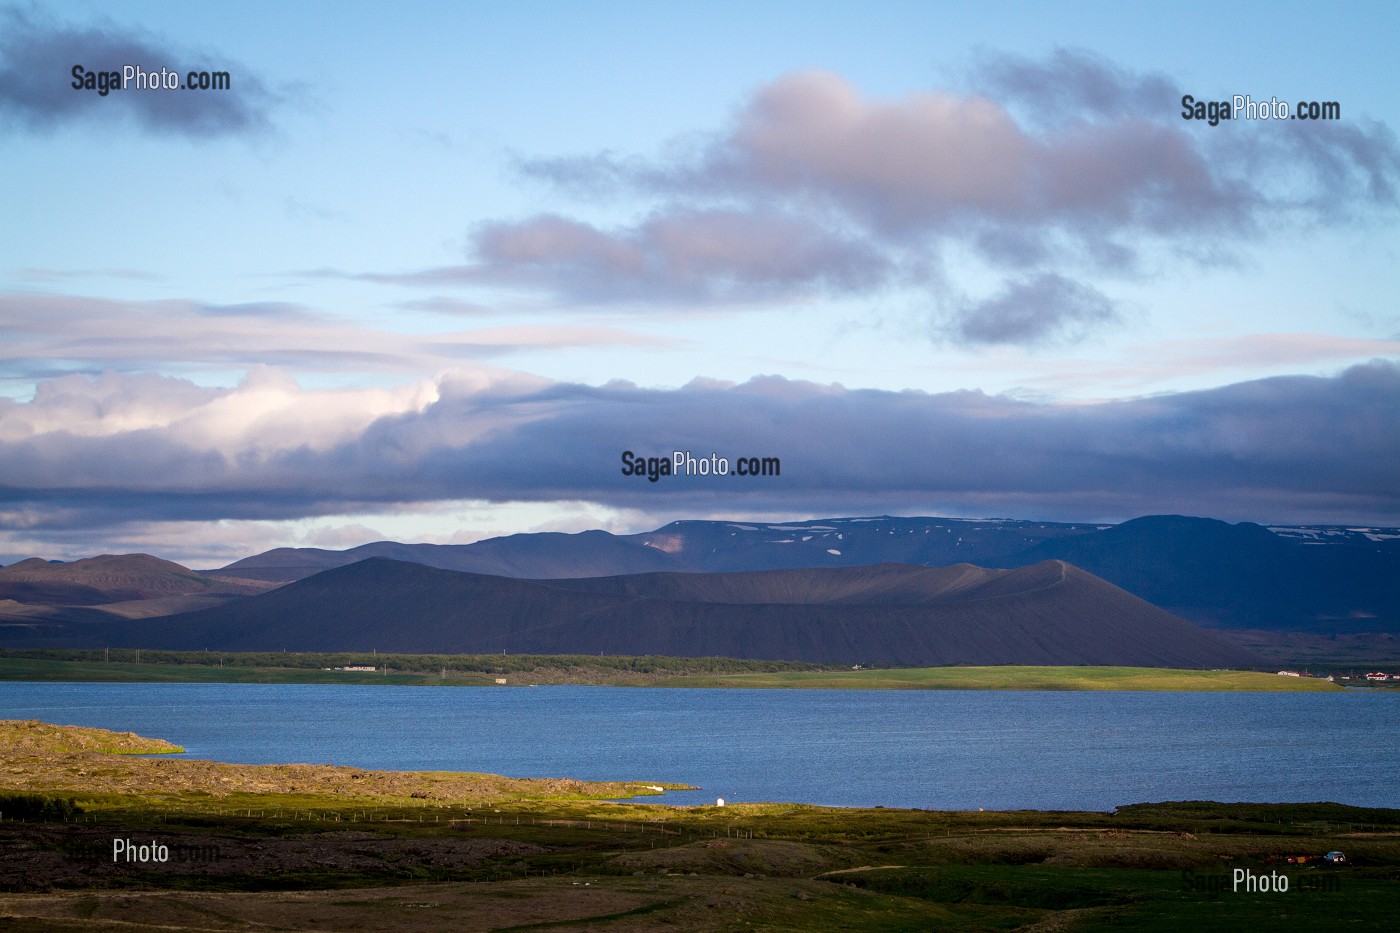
x,y
713,256
36,93
1070,84
1275,449
1033,309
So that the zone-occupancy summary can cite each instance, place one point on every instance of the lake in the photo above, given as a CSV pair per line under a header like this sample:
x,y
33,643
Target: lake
x,y
932,749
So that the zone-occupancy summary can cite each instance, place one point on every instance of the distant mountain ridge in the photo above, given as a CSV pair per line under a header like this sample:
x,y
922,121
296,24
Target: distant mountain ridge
x,y
1047,613
530,556
110,578
1315,578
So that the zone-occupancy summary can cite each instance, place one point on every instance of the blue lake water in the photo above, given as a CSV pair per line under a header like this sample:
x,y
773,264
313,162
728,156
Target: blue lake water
x,y
929,749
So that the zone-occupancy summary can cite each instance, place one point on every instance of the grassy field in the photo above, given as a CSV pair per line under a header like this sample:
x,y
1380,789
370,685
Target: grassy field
x,y
30,737
258,847
1012,678
433,671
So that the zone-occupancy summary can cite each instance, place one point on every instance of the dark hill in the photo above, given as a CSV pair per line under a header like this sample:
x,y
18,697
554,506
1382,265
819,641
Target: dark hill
x,y
1049,613
1241,575
878,585
110,578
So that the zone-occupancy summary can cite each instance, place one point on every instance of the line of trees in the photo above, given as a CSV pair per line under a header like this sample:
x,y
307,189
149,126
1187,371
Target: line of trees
x,y
38,808
432,663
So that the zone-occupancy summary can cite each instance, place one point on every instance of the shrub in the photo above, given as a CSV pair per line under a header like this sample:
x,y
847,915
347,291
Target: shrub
x,y
38,808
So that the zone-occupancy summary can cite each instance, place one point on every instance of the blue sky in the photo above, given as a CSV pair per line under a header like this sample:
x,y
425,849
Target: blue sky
x,y
425,271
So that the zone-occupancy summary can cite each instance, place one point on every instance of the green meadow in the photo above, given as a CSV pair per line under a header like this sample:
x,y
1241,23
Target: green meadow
x,y
517,670
1012,678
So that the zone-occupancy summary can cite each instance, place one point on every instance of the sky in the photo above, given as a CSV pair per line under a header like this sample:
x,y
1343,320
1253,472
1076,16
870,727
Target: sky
x,y
424,271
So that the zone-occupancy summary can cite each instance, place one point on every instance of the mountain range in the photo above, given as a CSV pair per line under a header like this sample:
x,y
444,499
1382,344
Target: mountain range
x,y
886,614
1325,579
859,590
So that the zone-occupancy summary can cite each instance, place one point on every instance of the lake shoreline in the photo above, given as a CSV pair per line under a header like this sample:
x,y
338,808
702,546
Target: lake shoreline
x,y
862,748
341,847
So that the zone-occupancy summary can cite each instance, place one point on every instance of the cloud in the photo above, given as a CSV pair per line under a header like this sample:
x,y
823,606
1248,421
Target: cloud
x,y
713,256
37,56
47,333
1158,362
1053,171
444,304
66,275
90,453
342,536
1037,309
198,545
936,164
1071,84
268,411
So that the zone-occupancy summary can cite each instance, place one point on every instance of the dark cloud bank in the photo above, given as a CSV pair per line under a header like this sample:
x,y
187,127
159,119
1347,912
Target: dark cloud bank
x,y
1278,449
